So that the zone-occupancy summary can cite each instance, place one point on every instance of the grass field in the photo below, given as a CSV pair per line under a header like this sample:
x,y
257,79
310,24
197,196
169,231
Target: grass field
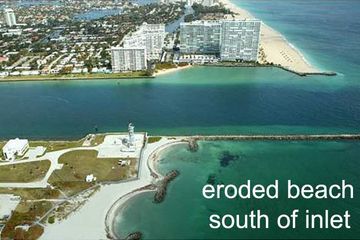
x,y
24,172
25,214
32,193
71,76
56,145
80,163
153,139
99,138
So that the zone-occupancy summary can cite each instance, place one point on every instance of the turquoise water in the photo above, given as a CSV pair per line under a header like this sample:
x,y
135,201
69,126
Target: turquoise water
x,y
270,101
193,101
185,213
205,100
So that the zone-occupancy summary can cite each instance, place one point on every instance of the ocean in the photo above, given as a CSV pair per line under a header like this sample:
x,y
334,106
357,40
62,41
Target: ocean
x,y
210,100
185,212
327,33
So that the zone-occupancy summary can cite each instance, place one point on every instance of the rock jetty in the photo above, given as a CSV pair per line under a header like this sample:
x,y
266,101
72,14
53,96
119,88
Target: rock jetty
x,y
134,236
162,187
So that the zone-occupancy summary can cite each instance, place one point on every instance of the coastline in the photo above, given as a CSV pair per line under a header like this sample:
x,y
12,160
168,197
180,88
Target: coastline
x,y
121,203
90,77
94,219
170,70
276,48
85,78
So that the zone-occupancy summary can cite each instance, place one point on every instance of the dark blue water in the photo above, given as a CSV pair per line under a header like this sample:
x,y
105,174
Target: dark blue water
x,y
212,100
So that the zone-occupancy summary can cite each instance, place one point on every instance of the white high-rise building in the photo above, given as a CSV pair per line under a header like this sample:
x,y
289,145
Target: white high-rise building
x,y
208,3
128,59
150,36
234,40
9,17
200,37
240,40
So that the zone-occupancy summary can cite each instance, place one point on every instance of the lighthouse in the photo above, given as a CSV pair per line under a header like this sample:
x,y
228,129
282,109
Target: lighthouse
x,y
131,129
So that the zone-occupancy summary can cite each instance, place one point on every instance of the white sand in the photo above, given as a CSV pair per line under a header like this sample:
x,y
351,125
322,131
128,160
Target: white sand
x,y
89,221
276,48
171,70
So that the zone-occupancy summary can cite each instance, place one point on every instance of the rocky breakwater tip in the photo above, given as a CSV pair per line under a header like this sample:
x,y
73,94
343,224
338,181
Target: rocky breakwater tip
x,y
134,236
193,145
162,185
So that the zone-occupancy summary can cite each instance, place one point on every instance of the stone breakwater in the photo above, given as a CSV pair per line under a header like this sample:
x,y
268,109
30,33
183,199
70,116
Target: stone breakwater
x,y
162,187
297,137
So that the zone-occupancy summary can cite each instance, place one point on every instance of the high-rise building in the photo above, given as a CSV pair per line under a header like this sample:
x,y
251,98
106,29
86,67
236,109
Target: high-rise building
x,y
240,40
128,59
9,17
233,39
150,36
207,3
200,37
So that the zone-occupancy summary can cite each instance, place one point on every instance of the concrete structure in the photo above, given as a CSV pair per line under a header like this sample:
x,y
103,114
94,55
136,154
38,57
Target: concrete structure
x,y
240,40
233,40
15,147
200,37
90,178
8,203
150,36
9,17
208,3
128,59
131,129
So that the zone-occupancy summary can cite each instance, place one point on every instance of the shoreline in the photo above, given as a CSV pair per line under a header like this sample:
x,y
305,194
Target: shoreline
x,y
121,203
276,48
91,221
171,70
5,80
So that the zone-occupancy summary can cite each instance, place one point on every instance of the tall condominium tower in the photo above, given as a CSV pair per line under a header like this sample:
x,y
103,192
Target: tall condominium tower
x,y
150,36
128,59
9,17
233,40
240,40
200,37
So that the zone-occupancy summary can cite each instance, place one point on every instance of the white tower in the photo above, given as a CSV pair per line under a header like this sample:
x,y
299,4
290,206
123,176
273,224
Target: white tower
x,y
9,17
131,129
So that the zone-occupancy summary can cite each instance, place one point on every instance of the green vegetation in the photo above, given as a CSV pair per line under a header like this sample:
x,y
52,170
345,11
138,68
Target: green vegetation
x,y
153,139
56,145
166,65
207,13
99,138
51,219
25,213
79,76
24,172
32,193
80,163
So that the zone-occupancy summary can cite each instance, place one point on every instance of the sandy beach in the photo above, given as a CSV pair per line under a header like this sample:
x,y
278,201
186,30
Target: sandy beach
x,y
94,219
275,47
170,70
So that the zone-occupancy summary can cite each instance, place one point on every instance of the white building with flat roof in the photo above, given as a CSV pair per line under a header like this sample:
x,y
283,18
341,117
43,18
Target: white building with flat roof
x,y
240,40
15,147
233,40
9,17
150,36
128,59
200,37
